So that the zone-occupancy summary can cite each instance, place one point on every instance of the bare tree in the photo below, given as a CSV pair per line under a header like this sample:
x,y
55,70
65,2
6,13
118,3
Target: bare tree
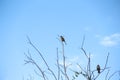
x,y
90,74
62,70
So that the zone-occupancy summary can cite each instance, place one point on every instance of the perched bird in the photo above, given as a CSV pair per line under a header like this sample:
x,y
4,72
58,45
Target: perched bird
x,y
98,68
62,39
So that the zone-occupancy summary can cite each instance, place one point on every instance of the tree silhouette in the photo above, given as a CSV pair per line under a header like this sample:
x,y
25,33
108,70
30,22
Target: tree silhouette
x,y
62,70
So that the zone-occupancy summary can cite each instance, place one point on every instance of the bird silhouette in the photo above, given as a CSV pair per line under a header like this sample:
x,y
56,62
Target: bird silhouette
x,y
98,68
62,39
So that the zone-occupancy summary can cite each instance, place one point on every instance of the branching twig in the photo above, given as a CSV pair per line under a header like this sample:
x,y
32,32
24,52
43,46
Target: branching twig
x,y
88,73
30,60
113,75
88,70
81,68
89,67
58,65
105,67
107,75
41,57
106,61
83,48
85,53
83,41
64,63
64,72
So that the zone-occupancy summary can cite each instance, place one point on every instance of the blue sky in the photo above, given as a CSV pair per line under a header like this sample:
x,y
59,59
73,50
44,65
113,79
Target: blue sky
x,y
44,20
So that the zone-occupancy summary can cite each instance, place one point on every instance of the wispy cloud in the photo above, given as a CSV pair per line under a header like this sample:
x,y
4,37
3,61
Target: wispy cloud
x,y
88,28
70,61
111,40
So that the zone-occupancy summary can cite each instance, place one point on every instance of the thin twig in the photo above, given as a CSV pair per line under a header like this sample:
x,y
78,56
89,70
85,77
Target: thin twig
x,y
84,52
58,65
83,48
83,41
113,75
81,68
107,75
89,67
41,57
105,67
106,60
64,63
30,60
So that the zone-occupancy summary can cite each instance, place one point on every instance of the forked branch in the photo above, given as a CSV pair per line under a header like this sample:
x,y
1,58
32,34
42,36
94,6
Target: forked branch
x,y
29,41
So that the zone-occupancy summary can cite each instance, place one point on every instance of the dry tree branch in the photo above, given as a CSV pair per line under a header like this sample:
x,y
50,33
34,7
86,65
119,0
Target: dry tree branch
x,y
64,62
88,72
30,60
85,53
107,75
113,75
81,68
89,67
58,65
105,67
106,62
83,48
37,73
29,41
92,73
83,41
41,75
64,72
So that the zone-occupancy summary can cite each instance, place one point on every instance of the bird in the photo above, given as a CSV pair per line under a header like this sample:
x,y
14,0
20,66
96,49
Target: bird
x,y
98,68
62,39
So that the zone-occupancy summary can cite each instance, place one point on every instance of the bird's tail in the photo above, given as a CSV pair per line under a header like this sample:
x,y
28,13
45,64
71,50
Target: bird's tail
x,y
98,71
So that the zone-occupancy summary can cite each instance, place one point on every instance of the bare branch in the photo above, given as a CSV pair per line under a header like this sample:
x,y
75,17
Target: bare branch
x,y
81,68
30,60
84,52
41,75
105,67
41,57
113,75
83,41
38,73
107,75
105,63
64,61
58,65
87,73
83,48
89,67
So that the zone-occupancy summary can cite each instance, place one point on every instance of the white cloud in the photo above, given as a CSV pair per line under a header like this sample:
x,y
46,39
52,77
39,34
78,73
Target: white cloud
x,y
66,63
74,59
70,62
111,40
